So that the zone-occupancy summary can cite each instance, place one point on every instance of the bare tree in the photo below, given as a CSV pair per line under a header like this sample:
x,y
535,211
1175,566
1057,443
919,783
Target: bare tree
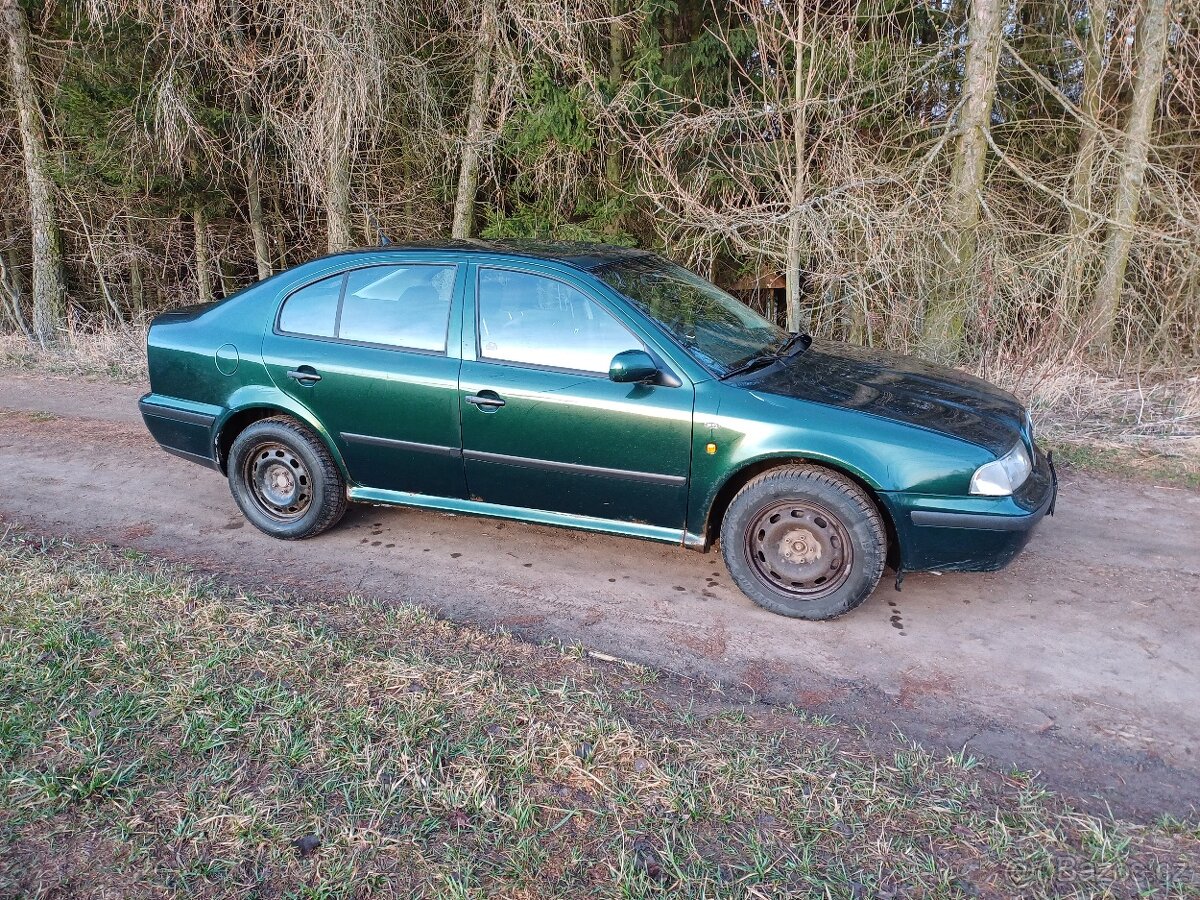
x,y
202,255
49,292
1090,104
1149,54
262,247
11,289
943,330
801,88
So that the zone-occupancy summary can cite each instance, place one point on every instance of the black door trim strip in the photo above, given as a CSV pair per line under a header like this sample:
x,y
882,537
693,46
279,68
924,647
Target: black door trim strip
x,y
207,461
393,444
977,521
574,468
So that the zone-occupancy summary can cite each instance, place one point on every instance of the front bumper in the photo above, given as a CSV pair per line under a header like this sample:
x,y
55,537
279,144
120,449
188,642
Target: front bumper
x,y
972,534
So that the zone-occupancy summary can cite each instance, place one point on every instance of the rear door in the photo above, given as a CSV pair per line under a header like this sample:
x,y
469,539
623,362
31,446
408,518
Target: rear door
x,y
373,352
544,427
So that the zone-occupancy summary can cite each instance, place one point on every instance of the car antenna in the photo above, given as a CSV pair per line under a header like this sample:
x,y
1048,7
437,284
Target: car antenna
x,y
384,240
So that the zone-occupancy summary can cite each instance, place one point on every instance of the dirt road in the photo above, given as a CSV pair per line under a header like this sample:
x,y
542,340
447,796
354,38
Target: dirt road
x,y
1080,661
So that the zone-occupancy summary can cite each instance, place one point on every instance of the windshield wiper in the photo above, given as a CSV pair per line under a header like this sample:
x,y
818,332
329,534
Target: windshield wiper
x,y
804,340
757,361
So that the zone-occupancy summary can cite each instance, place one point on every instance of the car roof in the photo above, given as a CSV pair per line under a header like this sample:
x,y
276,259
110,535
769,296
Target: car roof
x,y
574,253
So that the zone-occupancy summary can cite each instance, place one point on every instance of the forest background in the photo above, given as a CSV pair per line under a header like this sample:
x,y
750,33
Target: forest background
x,y
1013,186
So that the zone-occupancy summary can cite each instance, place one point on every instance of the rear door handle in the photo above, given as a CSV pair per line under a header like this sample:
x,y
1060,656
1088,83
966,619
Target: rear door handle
x,y
486,401
304,375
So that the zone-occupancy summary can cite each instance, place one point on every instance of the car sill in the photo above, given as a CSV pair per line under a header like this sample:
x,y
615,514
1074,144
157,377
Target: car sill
x,y
535,516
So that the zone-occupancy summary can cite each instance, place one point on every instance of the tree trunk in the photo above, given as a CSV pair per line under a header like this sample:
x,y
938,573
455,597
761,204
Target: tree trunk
x,y
204,280
337,198
1089,112
468,172
262,248
1079,248
228,283
98,264
10,274
49,293
616,71
137,289
1149,53
797,318
942,335
410,218
281,243
10,294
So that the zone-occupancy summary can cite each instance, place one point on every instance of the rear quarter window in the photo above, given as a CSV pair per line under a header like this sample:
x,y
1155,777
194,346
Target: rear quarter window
x,y
312,310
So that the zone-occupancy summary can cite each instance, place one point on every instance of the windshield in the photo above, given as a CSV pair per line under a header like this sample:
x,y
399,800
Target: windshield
x,y
722,333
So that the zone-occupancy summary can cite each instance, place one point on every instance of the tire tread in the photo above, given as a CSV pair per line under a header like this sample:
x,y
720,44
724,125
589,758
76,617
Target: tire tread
x,y
333,501
791,475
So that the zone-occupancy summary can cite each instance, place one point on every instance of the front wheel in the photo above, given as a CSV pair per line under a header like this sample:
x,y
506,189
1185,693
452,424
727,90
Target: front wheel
x,y
285,480
804,541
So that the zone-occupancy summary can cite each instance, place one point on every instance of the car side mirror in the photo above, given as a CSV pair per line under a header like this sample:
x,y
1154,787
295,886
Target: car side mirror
x,y
631,366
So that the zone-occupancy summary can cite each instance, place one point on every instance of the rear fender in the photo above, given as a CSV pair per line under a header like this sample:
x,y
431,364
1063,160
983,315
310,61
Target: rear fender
x,y
274,401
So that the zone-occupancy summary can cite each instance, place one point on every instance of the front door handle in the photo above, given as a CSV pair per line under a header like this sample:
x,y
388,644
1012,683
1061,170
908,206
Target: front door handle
x,y
304,375
486,401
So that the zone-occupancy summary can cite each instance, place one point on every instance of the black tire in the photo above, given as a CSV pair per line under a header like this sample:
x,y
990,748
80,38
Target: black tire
x,y
804,541
285,480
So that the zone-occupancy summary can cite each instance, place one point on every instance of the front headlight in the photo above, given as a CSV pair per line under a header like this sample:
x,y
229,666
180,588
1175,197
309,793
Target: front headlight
x,y
1001,477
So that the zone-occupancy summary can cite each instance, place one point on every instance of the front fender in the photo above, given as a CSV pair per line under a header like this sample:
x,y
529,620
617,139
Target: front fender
x,y
748,431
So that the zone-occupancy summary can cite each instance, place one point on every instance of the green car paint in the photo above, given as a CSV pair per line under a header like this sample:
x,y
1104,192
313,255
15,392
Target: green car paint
x,y
577,449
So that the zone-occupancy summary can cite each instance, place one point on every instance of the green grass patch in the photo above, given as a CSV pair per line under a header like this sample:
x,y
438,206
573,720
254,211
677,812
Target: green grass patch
x,y
162,734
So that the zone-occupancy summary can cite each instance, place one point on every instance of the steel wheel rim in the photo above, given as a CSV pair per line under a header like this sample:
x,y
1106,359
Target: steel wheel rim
x,y
279,482
800,549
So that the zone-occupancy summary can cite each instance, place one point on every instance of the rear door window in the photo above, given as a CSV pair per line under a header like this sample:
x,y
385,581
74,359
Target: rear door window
x,y
400,306
405,306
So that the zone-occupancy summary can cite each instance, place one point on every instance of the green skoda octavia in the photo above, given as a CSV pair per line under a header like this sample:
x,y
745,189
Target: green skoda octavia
x,y
596,388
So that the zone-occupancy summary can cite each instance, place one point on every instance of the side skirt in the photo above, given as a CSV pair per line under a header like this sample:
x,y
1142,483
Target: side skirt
x,y
536,516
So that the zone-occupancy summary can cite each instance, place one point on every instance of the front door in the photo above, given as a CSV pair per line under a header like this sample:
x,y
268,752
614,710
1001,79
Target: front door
x,y
543,426
366,351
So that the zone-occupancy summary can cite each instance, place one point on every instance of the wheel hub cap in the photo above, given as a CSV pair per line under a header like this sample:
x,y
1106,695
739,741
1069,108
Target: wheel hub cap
x,y
279,481
799,548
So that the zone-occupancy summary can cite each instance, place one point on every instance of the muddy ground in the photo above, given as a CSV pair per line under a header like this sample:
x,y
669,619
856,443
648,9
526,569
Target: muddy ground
x,y
1079,661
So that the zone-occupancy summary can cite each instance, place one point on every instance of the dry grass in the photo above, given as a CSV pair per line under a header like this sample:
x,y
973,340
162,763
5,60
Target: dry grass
x,y
1071,400
167,736
115,353
1139,425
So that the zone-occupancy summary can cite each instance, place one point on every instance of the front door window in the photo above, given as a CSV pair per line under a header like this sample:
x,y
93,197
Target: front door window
x,y
531,320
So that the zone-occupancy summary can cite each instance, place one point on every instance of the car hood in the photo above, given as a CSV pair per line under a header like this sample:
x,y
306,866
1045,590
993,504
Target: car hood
x,y
901,388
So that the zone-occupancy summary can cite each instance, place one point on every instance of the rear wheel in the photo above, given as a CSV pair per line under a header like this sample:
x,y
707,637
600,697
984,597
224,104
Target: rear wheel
x,y
804,541
285,480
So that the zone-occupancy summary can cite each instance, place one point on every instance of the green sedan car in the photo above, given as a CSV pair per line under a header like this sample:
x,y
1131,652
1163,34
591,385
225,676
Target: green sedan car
x,y
597,388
